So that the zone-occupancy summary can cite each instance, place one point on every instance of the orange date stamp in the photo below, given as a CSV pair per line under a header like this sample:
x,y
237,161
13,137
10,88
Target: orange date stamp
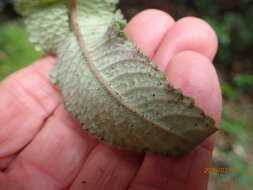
x,y
219,171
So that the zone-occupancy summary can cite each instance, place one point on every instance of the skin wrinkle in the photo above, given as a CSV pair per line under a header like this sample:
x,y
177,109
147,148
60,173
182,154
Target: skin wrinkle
x,y
108,175
29,93
15,96
45,78
10,135
90,148
44,118
5,162
136,172
69,123
43,111
108,170
40,124
14,157
189,170
29,163
163,38
183,178
197,173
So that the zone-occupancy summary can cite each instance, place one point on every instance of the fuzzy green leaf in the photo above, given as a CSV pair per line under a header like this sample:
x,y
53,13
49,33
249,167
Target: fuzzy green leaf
x,y
115,91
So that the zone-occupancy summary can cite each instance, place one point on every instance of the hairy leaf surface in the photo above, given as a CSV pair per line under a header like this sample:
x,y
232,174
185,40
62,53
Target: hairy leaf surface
x,y
115,91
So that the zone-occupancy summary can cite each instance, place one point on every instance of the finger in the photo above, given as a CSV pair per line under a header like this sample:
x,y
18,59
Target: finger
x,y
27,99
188,33
114,168
53,159
148,29
195,75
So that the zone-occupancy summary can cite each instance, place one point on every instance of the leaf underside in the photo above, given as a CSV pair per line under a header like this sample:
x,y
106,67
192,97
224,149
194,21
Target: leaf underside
x,y
115,92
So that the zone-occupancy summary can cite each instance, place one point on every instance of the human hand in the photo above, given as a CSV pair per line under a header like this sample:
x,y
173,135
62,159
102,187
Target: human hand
x,y
43,148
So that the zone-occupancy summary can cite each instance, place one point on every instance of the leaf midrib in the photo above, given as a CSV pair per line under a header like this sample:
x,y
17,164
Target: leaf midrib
x,y
91,64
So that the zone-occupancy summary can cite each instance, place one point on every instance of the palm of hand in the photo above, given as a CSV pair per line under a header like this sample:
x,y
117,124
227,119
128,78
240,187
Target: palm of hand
x,y
43,147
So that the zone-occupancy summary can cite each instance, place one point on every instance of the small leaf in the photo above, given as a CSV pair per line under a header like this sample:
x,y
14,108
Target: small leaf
x,y
115,91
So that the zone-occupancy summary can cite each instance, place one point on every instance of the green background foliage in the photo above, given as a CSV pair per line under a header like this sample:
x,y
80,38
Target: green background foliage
x,y
232,21
15,50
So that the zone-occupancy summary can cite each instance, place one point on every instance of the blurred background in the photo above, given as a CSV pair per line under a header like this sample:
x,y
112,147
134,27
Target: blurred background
x,y
233,22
